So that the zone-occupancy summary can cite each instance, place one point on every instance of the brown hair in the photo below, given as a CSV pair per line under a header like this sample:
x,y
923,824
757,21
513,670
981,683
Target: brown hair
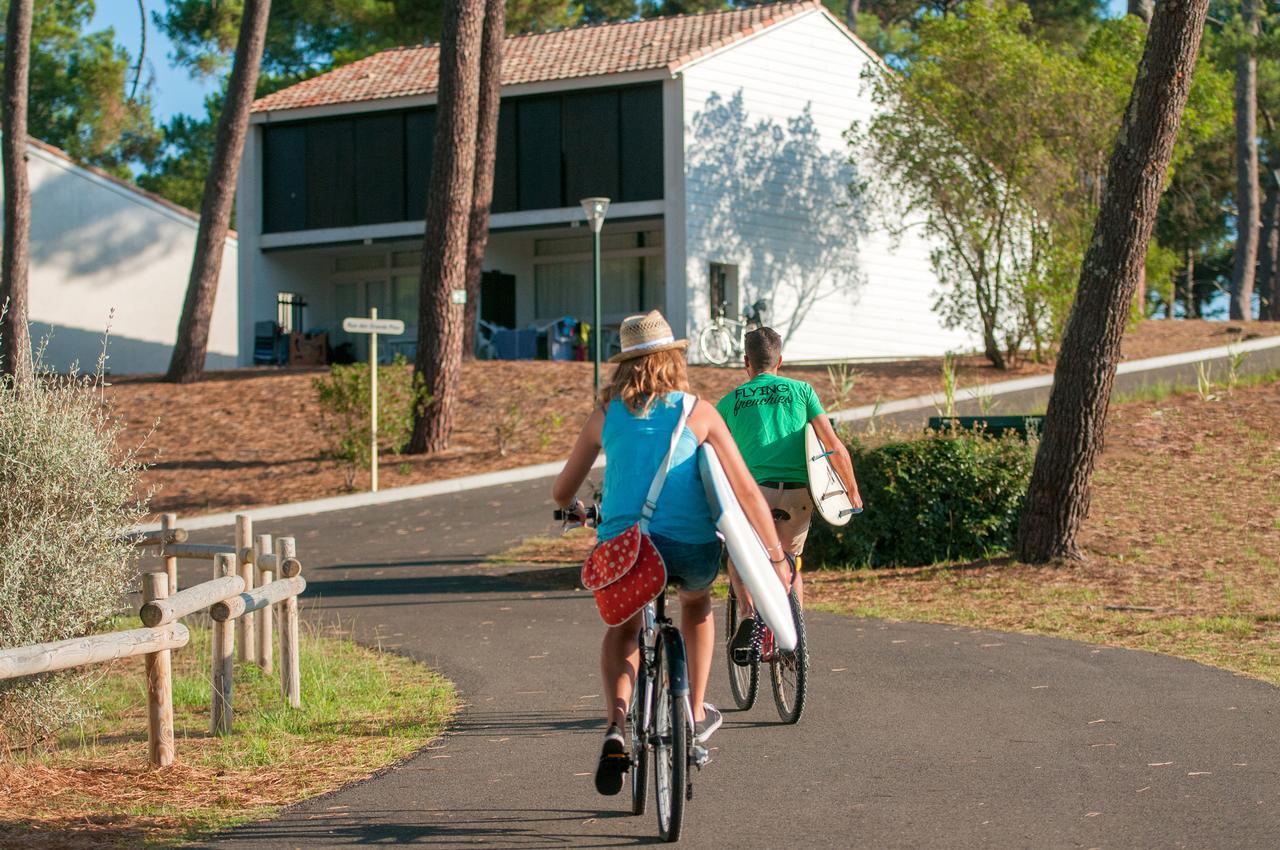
x,y
762,346
642,380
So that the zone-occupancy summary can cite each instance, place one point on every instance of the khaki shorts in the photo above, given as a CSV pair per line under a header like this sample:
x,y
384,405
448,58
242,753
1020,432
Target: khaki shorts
x,y
792,510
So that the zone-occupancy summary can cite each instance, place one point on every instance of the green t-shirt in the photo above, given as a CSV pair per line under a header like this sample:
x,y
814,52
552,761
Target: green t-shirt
x,y
766,416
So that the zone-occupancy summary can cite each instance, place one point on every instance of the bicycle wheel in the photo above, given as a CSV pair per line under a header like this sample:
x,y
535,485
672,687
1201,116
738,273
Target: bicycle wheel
x,y
744,682
716,344
670,751
789,671
639,752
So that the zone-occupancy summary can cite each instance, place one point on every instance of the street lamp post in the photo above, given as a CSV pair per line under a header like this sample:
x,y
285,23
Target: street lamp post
x,y
595,208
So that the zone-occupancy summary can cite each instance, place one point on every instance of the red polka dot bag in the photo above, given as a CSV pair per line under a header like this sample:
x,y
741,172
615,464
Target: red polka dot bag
x,y
626,572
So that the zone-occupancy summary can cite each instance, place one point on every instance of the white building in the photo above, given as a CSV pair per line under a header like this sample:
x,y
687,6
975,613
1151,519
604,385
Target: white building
x,y
104,251
718,136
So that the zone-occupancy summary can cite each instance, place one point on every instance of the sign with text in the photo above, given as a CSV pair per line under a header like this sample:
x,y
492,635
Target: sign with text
x,y
361,325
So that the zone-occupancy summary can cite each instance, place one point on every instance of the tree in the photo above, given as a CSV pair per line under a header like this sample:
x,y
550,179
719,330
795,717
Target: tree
x,y
994,142
486,149
444,247
15,341
187,362
1247,186
1058,495
86,96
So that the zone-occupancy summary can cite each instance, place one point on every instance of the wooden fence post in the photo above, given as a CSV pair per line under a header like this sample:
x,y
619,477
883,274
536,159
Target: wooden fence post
x,y
290,674
244,553
168,522
159,684
223,652
266,619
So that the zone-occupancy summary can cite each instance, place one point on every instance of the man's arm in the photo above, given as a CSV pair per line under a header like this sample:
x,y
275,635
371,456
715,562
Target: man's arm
x,y
839,458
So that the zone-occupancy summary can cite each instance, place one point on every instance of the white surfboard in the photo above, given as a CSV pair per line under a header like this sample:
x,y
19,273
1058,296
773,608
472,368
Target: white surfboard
x,y
830,498
746,550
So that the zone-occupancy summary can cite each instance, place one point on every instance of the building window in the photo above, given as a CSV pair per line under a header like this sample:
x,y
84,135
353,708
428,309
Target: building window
x,y
632,276
724,289
552,150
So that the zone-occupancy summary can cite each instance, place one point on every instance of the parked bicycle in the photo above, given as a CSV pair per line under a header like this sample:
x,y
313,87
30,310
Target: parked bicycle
x,y
788,671
660,720
723,339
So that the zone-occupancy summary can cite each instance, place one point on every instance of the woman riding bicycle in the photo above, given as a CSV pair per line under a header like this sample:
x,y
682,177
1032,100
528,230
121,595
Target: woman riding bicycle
x,y
638,412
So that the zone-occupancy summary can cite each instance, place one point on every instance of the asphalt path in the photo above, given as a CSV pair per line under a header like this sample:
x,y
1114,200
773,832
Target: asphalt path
x,y
915,735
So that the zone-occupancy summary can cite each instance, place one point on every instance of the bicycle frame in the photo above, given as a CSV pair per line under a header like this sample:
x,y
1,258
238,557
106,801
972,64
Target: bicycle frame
x,y
657,627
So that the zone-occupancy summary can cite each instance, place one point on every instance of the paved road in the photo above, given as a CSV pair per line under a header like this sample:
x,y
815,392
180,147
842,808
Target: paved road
x,y
916,735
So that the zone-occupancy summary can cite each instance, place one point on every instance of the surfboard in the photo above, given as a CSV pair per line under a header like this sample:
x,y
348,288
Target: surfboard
x,y
830,498
746,550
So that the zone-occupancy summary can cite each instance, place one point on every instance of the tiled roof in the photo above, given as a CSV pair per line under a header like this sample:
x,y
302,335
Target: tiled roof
x,y
588,51
59,153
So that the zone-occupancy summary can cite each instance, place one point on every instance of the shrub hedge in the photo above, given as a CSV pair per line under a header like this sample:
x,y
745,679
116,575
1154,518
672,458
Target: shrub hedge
x,y
67,492
942,496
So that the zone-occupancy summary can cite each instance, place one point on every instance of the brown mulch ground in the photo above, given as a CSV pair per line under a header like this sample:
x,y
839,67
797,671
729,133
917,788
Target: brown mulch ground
x,y
251,437
1182,540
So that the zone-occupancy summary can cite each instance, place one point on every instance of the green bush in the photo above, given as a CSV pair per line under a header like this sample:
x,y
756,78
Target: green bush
x,y
939,497
66,495
344,396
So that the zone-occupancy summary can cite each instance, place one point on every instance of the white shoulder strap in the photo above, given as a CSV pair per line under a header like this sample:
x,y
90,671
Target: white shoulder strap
x,y
660,478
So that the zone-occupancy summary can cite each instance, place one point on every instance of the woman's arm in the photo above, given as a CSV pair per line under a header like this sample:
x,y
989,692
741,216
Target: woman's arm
x,y
839,458
584,454
744,487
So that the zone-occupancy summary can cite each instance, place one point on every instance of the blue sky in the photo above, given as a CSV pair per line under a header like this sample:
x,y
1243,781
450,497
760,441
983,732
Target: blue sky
x,y
175,90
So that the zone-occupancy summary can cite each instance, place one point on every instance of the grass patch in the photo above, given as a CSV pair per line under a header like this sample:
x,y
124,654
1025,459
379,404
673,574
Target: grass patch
x,y
362,710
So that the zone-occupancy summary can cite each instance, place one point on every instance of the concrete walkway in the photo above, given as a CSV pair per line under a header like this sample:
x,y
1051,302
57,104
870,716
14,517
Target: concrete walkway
x,y
915,736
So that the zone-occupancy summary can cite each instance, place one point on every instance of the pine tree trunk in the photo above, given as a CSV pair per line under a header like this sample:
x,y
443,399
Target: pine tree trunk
x,y
851,14
444,254
1141,9
1058,496
1269,252
495,29
187,361
1246,106
15,339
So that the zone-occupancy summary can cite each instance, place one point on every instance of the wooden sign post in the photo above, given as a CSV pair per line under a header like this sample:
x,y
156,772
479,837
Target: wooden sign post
x,y
373,326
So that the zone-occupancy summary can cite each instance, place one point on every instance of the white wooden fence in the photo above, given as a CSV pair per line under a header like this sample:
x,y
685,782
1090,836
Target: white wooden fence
x,y
242,602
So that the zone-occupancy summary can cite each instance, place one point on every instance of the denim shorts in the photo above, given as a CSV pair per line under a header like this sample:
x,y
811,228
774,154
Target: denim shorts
x,y
691,566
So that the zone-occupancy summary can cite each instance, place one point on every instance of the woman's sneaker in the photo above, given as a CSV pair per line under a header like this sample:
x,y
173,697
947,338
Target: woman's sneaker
x,y
709,723
614,761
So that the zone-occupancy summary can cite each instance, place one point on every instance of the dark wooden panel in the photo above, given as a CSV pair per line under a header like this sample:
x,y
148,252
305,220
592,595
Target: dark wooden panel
x,y
538,154
331,186
590,145
284,178
641,133
379,168
506,194
498,298
420,141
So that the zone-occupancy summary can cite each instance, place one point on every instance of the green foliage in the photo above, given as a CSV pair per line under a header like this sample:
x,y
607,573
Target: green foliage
x,y
66,494
80,83
939,497
179,174
344,396
997,138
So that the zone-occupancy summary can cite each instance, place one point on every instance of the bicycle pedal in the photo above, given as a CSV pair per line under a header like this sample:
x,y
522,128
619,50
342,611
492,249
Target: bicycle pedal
x,y
701,756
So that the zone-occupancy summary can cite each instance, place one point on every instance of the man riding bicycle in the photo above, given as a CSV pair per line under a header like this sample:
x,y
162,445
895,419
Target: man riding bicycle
x,y
767,417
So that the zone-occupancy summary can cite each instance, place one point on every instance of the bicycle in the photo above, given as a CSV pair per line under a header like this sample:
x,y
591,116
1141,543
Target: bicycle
x,y
660,718
788,671
725,339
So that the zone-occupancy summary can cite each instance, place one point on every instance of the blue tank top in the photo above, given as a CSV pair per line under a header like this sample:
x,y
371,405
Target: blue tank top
x,y
633,448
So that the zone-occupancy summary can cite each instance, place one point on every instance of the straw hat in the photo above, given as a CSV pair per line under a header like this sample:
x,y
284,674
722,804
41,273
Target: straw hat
x,y
641,335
